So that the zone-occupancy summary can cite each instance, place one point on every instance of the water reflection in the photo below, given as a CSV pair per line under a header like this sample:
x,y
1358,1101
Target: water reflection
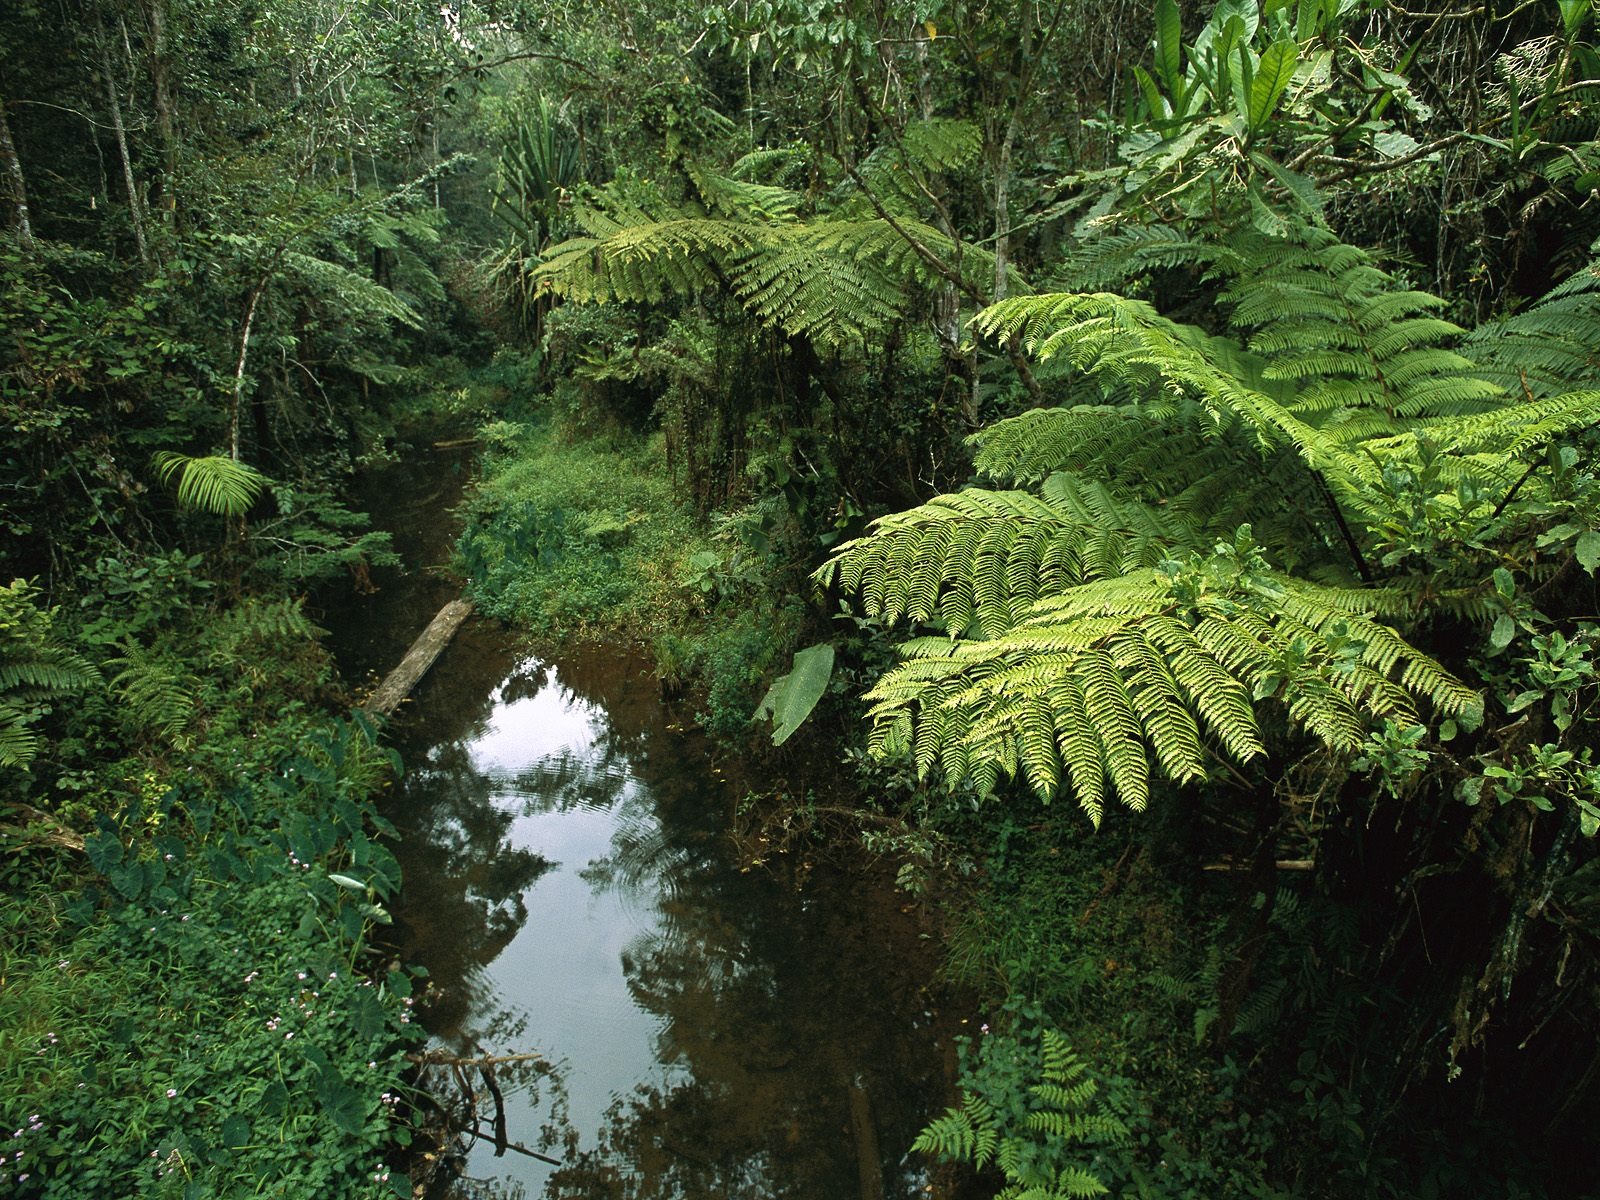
x,y
718,1032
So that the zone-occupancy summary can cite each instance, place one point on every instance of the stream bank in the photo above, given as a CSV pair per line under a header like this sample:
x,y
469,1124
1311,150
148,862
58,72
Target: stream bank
x,y
712,1028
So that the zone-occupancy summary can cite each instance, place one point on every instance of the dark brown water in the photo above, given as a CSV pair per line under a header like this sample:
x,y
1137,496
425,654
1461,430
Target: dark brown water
x,y
715,1030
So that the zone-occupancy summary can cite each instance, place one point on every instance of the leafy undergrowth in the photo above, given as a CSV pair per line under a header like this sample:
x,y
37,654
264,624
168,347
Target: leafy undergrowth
x,y
1088,933
576,535
581,533
184,1007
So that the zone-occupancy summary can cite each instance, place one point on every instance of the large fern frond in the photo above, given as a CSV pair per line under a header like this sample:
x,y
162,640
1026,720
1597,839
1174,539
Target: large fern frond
x,y
967,1134
348,292
1164,663
158,694
1549,348
35,668
834,280
18,744
987,555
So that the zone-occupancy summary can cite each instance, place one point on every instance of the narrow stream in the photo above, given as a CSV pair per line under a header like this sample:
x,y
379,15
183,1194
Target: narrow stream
x,y
712,1029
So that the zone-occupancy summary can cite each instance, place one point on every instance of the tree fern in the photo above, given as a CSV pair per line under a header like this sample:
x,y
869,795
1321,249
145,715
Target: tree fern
x,y
1162,663
1549,348
987,556
1090,642
836,281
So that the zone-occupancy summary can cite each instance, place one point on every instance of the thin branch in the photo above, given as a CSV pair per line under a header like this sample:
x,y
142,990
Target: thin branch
x,y
1354,167
441,1058
940,267
526,54
136,127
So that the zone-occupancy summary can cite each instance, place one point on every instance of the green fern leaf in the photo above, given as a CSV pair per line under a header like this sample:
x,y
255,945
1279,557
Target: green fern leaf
x,y
215,483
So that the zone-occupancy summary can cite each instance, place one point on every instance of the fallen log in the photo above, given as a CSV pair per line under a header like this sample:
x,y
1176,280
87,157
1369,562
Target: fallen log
x,y
428,646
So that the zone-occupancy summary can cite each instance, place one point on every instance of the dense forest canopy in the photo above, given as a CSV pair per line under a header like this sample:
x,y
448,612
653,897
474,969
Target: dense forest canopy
x,y
1150,445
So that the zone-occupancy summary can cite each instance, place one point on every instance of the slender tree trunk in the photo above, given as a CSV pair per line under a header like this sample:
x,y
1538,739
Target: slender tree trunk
x,y
238,370
1002,205
12,165
135,216
166,126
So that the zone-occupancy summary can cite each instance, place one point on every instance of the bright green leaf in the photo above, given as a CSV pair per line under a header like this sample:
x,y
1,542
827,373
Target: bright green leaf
x,y
1169,44
1272,76
791,697
1504,630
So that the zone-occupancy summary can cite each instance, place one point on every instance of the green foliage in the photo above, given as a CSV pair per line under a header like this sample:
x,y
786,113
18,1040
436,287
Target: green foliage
x,y
1031,1128
838,280
1548,348
568,536
36,667
1072,662
215,483
1175,656
159,694
314,538
167,1028
793,695
537,169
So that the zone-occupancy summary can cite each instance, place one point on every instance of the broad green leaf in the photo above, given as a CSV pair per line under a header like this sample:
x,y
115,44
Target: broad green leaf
x,y
1169,44
345,881
1504,630
1273,74
1243,80
1152,94
1588,550
235,1131
791,697
1391,143
341,1103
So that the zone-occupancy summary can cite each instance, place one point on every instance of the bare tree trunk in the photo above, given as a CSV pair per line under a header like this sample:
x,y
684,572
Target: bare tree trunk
x,y
1002,206
12,166
433,128
166,126
238,370
134,213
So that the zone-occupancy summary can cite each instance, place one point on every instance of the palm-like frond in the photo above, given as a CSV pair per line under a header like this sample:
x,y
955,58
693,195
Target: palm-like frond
x,y
35,668
157,692
212,483
834,280
988,556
